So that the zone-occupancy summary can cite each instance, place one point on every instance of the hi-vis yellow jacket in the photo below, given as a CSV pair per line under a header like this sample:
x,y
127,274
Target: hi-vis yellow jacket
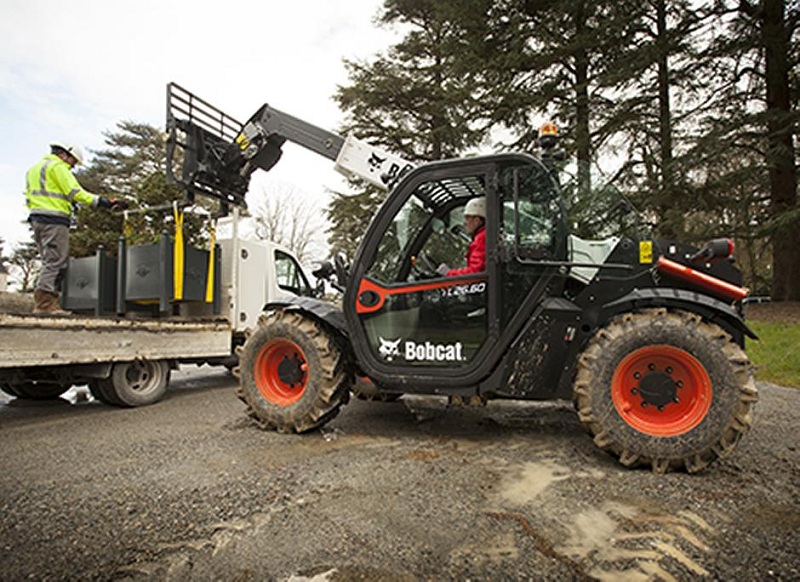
x,y
51,189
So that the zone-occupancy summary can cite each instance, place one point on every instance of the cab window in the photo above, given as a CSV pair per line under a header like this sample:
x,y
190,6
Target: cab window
x,y
290,275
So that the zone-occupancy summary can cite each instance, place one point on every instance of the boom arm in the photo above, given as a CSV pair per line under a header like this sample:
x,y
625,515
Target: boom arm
x,y
219,154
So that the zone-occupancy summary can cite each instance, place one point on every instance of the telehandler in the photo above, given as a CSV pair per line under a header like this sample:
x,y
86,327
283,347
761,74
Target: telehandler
x,y
645,335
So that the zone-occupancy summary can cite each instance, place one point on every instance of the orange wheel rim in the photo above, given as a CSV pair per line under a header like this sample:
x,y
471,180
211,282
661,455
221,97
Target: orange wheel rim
x,y
281,372
661,390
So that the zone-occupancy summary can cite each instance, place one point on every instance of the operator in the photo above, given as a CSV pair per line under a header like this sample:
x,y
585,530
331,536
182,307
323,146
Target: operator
x,y
475,222
50,192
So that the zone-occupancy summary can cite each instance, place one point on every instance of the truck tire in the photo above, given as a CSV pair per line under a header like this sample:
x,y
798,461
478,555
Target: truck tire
x,y
103,390
292,374
665,389
131,384
36,390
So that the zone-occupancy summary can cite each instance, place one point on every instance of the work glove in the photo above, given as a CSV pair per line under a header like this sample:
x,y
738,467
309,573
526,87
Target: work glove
x,y
442,269
118,203
113,203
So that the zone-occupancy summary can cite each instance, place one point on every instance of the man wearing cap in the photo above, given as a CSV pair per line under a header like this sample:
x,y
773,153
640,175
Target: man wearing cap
x,y
50,192
475,222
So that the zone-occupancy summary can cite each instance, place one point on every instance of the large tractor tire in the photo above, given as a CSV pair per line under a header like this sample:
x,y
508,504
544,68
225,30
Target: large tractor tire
x,y
292,375
131,384
665,389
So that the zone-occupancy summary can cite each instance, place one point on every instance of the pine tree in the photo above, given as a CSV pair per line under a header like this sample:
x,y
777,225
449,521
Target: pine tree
x,y
416,99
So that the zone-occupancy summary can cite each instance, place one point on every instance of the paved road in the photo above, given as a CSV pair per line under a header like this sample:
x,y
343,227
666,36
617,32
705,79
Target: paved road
x,y
190,489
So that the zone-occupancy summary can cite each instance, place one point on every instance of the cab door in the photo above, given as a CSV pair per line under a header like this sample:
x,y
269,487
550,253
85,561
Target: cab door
x,y
413,327
408,321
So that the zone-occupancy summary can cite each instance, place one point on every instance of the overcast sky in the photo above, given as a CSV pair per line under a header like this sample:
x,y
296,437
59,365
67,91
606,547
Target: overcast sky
x,y
71,70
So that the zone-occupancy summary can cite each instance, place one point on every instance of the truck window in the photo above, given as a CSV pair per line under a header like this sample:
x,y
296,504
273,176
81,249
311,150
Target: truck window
x,y
290,276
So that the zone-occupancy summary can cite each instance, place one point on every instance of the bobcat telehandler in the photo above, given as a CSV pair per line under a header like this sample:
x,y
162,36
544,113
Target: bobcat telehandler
x,y
645,336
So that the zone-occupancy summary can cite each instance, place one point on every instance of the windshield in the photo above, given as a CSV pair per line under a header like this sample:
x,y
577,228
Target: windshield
x,y
428,229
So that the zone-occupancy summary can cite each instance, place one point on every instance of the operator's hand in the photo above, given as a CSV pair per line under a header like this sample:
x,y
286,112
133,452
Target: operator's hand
x,y
118,203
443,269
112,203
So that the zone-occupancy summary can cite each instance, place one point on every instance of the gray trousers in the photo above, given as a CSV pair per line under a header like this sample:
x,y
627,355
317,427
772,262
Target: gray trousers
x,y
52,241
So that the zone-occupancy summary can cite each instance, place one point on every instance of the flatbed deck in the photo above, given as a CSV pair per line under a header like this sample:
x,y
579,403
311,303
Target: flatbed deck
x,y
28,340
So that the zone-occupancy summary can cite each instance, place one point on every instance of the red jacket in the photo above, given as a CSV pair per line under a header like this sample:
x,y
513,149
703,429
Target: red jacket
x,y
476,255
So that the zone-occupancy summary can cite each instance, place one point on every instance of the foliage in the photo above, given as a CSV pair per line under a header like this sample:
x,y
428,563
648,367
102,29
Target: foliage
x,y
693,107
349,216
416,99
775,355
25,266
281,216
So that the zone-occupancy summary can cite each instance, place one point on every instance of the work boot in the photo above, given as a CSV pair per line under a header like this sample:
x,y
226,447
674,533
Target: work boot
x,y
46,303
41,301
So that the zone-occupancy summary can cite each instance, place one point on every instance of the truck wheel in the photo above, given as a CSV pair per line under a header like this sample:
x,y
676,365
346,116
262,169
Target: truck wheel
x,y
666,389
291,374
36,390
103,390
137,383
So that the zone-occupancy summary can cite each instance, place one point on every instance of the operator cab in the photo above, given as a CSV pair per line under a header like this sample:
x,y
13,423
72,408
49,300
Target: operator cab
x,y
411,320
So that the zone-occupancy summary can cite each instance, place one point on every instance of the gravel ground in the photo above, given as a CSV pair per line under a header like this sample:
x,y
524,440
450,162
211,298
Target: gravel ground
x,y
189,489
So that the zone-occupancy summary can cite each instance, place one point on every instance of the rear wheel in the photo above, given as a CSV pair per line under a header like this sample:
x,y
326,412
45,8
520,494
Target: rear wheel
x,y
137,383
665,389
292,376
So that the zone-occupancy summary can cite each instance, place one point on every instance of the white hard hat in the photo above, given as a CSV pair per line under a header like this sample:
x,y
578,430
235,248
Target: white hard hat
x,y
476,207
74,150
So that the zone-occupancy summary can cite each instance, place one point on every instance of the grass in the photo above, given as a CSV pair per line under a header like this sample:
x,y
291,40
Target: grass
x,y
776,354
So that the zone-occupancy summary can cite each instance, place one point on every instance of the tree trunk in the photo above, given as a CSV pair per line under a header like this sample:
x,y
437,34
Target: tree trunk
x,y
582,127
671,212
780,154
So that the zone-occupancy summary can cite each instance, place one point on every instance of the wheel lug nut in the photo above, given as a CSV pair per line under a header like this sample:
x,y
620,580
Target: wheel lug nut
x,y
637,375
668,370
634,391
651,367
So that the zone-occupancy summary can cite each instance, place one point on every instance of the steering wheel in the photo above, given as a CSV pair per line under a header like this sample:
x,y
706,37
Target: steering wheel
x,y
428,272
430,264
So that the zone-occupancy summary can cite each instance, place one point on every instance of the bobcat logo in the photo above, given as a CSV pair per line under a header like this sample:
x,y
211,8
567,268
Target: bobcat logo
x,y
389,349
375,162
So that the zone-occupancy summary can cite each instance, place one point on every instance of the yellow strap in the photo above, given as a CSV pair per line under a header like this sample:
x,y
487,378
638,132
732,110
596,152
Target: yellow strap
x,y
127,229
210,280
177,255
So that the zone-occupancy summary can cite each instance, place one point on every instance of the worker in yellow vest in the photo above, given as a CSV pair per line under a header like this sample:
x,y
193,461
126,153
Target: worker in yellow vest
x,y
50,192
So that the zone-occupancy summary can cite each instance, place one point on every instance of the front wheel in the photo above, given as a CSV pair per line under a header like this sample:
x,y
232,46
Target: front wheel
x,y
292,375
665,389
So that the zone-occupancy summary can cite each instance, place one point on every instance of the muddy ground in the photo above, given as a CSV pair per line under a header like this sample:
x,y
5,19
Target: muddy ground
x,y
189,489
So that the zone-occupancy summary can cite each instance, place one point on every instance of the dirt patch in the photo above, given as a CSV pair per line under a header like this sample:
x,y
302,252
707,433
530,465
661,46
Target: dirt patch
x,y
784,311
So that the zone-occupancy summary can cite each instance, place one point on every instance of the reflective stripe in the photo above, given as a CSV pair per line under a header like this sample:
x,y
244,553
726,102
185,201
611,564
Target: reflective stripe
x,y
42,191
54,194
